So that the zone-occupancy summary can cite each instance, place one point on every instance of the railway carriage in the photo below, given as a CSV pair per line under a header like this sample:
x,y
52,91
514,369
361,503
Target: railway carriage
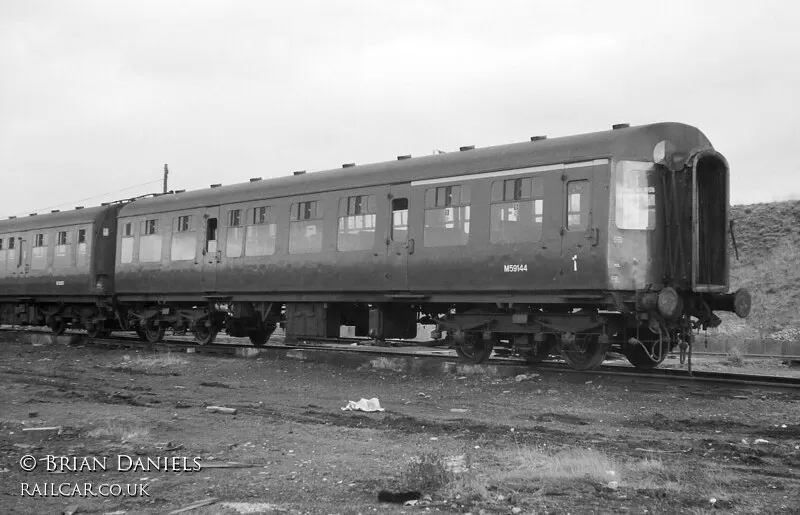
x,y
616,240
577,245
57,269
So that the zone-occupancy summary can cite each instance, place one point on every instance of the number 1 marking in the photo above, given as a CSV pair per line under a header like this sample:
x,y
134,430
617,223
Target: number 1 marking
x,y
575,263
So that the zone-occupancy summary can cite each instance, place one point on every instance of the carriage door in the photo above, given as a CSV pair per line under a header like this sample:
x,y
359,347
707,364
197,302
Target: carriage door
x,y
578,232
211,251
399,243
19,266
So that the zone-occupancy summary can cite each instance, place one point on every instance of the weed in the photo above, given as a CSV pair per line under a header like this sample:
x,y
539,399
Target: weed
x,y
427,472
159,361
120,430
735,355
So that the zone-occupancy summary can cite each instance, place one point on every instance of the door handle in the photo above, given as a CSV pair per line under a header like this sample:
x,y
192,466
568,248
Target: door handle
x,y
410,246
27,268
218,255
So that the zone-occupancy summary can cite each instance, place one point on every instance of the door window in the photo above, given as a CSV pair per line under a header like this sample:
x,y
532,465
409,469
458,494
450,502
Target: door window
x,y
211,236
399,220
577,205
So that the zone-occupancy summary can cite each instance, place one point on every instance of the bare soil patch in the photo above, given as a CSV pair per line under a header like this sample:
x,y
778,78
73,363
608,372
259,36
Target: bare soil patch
x,y
552,444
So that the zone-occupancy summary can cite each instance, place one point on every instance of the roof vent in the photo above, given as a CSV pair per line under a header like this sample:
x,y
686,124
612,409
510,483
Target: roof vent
x,y
255,179
407,156
105,203
33,214
78,207
299,172
469,147
538,138
179,191
55,210
348,165
12,217
216,185
620,126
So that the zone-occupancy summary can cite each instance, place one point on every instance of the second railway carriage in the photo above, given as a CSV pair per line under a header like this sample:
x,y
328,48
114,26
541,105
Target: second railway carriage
x,y
616,239
57,269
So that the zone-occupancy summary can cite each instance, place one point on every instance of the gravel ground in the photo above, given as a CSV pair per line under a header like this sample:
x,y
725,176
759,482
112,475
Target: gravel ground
x,y
551,443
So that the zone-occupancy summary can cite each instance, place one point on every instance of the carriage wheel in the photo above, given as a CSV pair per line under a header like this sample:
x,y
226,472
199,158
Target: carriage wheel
x,y
153,333
259,338
204,334
474,348
585,352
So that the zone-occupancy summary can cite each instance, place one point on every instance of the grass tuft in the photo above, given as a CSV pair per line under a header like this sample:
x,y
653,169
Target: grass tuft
x,y
427,472
125,432
162,360
534,463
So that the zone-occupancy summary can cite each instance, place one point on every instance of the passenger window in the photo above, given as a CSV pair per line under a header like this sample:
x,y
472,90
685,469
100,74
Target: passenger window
x,y
400,220
183,223
2,256
446,216
356,223
63,254
234,238
635,195
150,242
305,228
260,233
577,205
184,239
39,253
126,244
150,227
516,210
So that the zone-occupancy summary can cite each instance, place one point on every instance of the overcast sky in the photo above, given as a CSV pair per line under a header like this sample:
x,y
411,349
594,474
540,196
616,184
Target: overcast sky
x,y
96,96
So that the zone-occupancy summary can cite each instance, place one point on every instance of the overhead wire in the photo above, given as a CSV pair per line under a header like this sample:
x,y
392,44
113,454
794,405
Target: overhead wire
x,y
72,202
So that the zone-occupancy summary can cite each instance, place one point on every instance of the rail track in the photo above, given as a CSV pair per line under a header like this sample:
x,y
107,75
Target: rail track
x,y
504,366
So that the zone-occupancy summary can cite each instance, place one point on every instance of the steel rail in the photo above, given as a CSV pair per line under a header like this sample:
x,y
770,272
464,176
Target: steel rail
x,y
668,374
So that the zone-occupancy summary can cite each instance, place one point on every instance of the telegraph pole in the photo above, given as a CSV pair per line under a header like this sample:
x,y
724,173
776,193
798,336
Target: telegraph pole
x,y
166,173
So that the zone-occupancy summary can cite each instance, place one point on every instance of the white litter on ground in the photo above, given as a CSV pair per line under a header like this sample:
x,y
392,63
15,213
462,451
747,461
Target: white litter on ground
x,y
372,404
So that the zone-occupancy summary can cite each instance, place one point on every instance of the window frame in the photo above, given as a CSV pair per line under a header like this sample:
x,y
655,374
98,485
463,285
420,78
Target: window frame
x,y
150,226
646,169
358,216
528,189
456,197
306,213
